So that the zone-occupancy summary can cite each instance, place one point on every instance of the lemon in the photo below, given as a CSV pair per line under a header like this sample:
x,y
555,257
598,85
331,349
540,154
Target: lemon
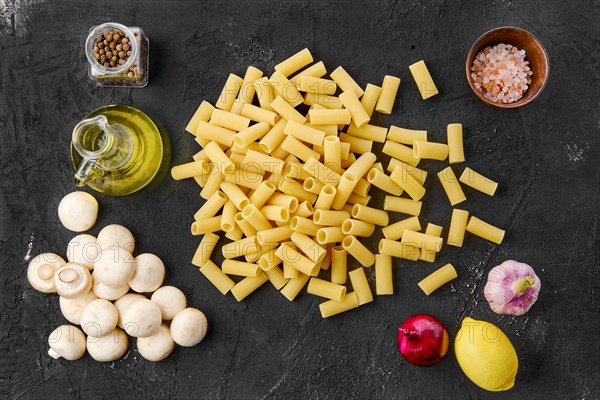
x,y
486,355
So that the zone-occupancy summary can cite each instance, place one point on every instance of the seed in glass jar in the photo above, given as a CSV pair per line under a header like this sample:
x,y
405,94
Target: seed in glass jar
x,y
105,42
128,53
112,64
107,64
102,58
125,40
100,45
109,36
116,37
112,45
109,54
119,47
97,56
126,47
114,58
121,62
130,74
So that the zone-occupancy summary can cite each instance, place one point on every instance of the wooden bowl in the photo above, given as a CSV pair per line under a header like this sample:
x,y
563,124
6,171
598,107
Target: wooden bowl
x,y
535,54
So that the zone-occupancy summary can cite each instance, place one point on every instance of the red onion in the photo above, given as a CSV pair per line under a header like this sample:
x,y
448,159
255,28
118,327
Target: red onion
x,y
423,340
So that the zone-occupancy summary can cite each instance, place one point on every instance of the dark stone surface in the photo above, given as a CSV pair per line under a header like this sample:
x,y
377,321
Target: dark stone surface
x,y
545,157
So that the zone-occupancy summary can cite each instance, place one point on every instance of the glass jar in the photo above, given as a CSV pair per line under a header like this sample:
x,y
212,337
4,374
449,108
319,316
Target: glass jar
x,y
133,72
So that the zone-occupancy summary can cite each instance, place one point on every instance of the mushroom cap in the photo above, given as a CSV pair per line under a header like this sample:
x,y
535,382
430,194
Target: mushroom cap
x,y
141,318
115,267
109,347
83,250
98,318
170,300
41,270
122,303
158,346
72,280
71,308
188,327
118,235
78,211
68,342
149,273
108,292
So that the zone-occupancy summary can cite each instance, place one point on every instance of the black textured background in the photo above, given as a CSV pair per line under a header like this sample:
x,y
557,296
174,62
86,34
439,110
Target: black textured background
x,y
545,157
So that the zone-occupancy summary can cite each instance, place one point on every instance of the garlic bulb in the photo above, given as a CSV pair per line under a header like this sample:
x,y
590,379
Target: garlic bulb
x,y
512,288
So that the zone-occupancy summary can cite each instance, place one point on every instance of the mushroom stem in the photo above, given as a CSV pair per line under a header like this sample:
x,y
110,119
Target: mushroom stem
x,y
53,354
45,272
67,275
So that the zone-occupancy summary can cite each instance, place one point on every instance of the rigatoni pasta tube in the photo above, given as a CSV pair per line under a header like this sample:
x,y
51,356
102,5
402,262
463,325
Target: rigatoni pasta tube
x,y
458,224
305,209
239,268
323,288
298,149
332,153
222,282
345,81
205,249
344,189
321,172
235,195
227,217
478,182
289,271
370,97
430,150
316,85
247,286
274,137
309,247
229,120
329,117
264,91
255,218
294,286
215,133
324,100
304,133
276,213
384,282
485,230
429,255
235,234
406,181
247,136
325,198
295,62
383,182
402,205
264,162
419,174
357,228
280,199
362,165
406,136
316,70
357,145
203,226
259,114
330,217
400,151
262,194
351,102
240,248
312,185
291,187
285,89
456,152
387,97
370,214
220,161
330,234
244,225
295,170
229,92
188,170
203,113
275,276
357,250
269,260
437,279
397,229
422,240
304,225
369,132
274,235
297,260
398,249
423,79
332,307
285,110
248,89
361,287
212,184
338,265
451,186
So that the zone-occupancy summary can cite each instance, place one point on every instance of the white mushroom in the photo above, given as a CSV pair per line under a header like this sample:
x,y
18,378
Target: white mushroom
x,y
115,267
149,273
41,270
122,303
141,318
78,211
158,346
189,327
98,318
83,250
109,347
72,280
71,308
118,235
170,300
66,341
108,292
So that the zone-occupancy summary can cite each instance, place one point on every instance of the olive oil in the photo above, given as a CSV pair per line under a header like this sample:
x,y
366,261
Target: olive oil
x,y
121,161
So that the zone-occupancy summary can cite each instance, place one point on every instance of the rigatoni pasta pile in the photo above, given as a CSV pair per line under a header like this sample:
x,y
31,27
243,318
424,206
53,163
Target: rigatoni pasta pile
x,y
290,190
